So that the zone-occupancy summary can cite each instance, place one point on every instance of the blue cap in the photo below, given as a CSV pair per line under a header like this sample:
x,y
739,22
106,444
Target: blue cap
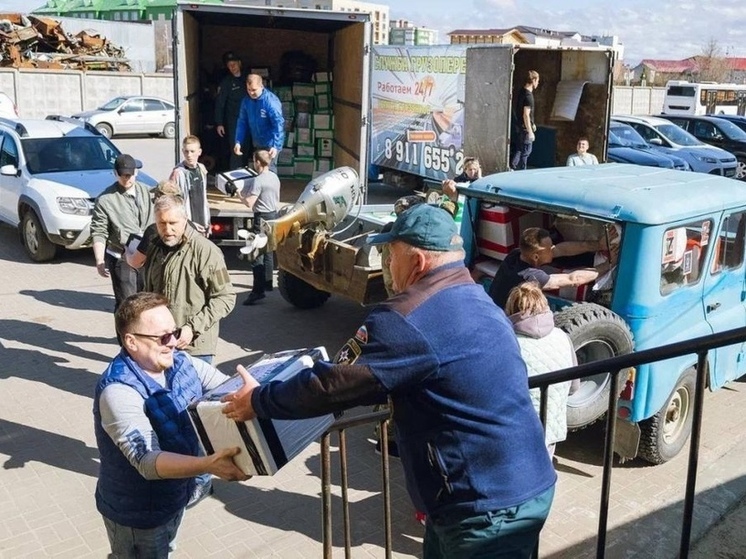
x,y
424,226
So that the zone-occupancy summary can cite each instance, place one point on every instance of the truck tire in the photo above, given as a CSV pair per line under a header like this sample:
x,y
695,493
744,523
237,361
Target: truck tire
x,y
664,435
299,293
35,241
596,333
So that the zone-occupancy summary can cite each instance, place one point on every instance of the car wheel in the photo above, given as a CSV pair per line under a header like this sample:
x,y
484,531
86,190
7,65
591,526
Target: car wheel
x,y
741,169
664,435
169,131
299,293
104,129
38,247
596,333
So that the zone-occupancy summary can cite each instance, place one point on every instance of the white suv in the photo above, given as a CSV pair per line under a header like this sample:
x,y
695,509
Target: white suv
x,y
51,172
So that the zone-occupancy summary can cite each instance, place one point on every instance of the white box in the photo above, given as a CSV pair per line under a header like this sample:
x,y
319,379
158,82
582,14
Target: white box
x,y
322,121
324,147
266,444
226,182
301,89
303,150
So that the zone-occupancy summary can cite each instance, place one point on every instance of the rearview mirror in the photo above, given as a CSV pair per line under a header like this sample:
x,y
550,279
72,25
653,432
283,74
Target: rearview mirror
x,y
9,171
656,141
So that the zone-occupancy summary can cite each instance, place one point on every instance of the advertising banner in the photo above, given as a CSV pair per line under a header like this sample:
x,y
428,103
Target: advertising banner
x,y
417,108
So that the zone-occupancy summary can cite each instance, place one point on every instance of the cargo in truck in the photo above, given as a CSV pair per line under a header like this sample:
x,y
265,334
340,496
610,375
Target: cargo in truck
x,y
315,61
433,105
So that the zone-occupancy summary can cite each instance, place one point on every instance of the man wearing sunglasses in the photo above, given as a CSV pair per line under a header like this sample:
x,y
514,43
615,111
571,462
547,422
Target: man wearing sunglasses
x,y
190,271
149,452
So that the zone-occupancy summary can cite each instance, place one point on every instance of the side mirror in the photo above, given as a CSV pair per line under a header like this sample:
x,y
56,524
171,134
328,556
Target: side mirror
x,y
656,141
10,171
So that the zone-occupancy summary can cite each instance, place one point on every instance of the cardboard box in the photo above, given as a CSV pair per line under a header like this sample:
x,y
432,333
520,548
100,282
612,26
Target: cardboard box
x,y
301,89
284,92
266,444
304,167
323,165
303,136
322,122
318,134
303,120
322,77
322,87
500,228
286,171
305,151
286,157
303,104
323,102
324,147
290,139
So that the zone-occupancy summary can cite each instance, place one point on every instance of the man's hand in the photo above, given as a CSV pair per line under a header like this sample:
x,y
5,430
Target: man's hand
x,y
273,152
231,189
238,405
237,149
220,129
449,189
187,335
101,269
222,465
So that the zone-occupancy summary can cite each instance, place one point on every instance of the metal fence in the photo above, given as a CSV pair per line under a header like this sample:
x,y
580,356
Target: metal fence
x,y
614,366
629,100
39,93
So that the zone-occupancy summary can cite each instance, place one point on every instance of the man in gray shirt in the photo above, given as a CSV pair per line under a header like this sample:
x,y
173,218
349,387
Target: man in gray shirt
x,y
261,195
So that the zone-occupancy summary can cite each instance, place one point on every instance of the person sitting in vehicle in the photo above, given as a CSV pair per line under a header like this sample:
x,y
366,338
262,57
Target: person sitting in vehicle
x,y
534,253
472,172
544,348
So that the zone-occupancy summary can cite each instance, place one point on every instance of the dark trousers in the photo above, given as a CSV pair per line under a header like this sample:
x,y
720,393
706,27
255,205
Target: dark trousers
x,y
521,149
263,266
125,279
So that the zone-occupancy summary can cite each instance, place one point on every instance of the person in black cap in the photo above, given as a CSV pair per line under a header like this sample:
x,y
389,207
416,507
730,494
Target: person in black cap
x,y
123,209
231,92
471,445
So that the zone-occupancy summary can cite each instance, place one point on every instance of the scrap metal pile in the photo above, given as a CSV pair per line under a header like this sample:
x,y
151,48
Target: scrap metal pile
x,y
40,42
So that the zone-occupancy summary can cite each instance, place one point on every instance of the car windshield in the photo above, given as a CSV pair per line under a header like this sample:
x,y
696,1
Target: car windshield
x,y
731,130
627,136
113,104
68,153
678,135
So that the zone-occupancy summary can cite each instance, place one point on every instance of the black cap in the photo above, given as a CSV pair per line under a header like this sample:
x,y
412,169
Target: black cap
x,y
230,55
126,164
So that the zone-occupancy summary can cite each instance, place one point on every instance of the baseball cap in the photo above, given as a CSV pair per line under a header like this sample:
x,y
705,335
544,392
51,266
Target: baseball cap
x,y
126,164
229,56
424,226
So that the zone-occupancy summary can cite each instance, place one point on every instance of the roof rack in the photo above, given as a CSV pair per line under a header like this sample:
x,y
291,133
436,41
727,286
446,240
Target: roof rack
x,y
15,125
77,122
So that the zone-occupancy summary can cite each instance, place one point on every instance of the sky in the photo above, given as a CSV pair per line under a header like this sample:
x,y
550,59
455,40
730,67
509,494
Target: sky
x,y
661,29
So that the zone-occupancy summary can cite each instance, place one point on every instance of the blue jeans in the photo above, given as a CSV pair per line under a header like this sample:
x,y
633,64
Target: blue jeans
x,y
522,147
134,543
511,533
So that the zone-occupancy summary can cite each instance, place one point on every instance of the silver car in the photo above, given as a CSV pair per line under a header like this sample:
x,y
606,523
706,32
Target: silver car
x,y
133,115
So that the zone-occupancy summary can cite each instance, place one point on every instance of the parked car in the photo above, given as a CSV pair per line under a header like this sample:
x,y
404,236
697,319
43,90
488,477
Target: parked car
x,y
738,120
717,132
627,146
133,115
51,172
667,138
8,108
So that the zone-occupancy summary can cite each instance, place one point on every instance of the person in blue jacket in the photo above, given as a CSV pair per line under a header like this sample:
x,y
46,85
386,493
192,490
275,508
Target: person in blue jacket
x,y
470,442
261,118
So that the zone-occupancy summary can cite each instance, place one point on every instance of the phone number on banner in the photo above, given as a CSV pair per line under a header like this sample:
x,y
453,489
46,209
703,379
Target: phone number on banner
x,y
433,158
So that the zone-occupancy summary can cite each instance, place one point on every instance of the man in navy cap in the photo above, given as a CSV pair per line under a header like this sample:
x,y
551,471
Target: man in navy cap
x,y
470,442
123,209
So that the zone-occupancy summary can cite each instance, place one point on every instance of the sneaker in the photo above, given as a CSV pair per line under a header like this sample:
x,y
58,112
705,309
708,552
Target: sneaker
x,y
253,298
420,517
393,449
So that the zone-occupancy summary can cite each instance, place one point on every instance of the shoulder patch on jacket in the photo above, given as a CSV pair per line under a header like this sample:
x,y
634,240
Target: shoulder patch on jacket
x,y
362,335
348,354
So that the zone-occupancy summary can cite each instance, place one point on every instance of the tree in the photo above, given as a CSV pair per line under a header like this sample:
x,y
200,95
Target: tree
x,y
713,66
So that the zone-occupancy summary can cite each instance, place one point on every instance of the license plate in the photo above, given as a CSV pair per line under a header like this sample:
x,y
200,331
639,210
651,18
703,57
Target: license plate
x,y
730,172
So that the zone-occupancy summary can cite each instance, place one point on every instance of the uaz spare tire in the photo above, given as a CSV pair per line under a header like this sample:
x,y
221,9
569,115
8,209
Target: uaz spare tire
x,y
596,333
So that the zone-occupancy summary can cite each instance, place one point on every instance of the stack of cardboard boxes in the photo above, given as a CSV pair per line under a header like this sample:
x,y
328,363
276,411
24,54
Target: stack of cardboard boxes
x,y
309,128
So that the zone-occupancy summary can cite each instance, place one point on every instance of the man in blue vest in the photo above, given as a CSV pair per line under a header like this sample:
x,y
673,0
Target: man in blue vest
x,y
149,451
261,119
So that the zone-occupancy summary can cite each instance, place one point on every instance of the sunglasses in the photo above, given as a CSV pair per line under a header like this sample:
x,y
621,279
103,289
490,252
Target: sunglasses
x,y
162,339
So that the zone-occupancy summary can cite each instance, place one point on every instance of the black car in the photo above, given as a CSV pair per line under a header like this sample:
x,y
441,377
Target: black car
x,y
719,132
627,146
738,120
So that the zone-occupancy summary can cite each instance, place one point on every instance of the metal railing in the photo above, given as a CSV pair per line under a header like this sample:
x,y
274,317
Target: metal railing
x,y
614,366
